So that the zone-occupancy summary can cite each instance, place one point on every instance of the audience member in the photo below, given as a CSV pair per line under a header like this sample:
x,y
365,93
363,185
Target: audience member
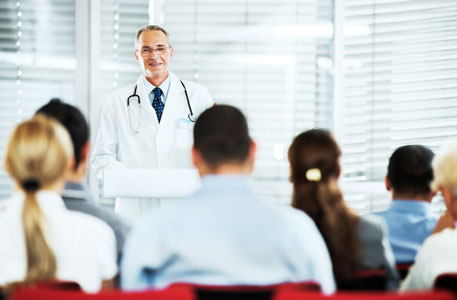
x,y
410,218
76,195
225,234
354,242
438,253
41,239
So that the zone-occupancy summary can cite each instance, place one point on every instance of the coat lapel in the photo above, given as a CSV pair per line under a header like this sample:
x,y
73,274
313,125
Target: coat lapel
x,y
145,104
174,99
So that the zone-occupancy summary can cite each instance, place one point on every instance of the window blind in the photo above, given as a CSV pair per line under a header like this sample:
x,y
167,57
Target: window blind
x,y
400,85
272,59
119,23
37,62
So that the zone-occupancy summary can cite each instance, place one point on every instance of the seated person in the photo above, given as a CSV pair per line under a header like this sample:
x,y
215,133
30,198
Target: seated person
x,y
41,239
438,253
355,243
75,195
224,234
410,218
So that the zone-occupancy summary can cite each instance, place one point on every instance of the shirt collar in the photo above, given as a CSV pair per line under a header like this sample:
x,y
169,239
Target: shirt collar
x,y
411,205
47,199
165,87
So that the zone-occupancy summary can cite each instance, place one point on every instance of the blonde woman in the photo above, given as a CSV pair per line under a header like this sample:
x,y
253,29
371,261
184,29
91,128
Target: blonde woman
x,y
438,254
40,238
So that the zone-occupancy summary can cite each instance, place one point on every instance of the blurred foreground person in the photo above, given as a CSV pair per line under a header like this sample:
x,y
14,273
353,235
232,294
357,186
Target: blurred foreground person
x,y
225,234
41,239
355,243
438,255
76,195
410,217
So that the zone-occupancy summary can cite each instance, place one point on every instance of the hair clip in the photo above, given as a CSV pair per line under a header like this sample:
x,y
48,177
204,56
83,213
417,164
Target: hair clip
x,y
313,174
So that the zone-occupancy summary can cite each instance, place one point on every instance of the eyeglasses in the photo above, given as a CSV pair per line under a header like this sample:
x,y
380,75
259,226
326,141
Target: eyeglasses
x,y
150,51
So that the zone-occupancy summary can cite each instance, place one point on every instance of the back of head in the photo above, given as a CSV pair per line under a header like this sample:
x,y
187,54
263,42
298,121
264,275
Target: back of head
x,y
73,121
314,162
38,155
410,170
221,136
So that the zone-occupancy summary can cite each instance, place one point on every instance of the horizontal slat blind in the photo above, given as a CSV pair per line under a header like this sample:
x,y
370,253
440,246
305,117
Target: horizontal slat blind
x,y
271,59
37,62
400,84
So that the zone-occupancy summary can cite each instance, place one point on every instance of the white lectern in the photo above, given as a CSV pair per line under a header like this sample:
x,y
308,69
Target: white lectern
x,y
150,183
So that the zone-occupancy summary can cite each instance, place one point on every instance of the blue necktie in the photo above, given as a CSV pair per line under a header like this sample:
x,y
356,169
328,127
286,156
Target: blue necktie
x,y
157,102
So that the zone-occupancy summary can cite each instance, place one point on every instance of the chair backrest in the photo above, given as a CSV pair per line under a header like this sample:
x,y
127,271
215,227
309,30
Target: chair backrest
x,y
50,294
241,292
446,281
403,268
303,295
59,285
366,280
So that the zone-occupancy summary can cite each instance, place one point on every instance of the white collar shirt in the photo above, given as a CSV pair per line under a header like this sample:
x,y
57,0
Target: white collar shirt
x,y
165,87
84,246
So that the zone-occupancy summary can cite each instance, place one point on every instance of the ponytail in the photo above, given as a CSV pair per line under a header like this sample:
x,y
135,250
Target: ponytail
x,y
323,202
38,155
41,261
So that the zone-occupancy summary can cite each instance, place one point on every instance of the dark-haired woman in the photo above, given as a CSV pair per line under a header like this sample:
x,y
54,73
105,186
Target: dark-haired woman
x,y
354,243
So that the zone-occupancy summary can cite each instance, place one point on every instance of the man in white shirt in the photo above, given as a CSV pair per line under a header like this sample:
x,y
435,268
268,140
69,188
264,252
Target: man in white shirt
x,y
225,234
148,124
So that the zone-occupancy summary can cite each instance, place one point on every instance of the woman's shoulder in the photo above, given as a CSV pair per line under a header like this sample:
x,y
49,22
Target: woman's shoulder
x,y
371,226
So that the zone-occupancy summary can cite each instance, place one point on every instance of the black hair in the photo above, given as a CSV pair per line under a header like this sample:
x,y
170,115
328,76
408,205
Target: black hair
x,y
410,170
74,122
221,136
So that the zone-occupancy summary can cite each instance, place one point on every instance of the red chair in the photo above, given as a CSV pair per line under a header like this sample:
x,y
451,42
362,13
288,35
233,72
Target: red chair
x,y
50,294
300,295
446,281
403,268
240,292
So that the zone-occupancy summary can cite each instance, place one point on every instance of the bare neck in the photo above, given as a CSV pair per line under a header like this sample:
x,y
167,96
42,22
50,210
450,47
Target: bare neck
x,y
227,169
157,81
405,196
79,174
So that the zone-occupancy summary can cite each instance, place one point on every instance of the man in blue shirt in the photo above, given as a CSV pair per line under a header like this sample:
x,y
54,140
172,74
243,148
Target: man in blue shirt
x,y
225,234
410,218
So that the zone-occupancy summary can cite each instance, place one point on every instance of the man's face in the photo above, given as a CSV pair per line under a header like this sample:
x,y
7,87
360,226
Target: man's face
x,y
154,54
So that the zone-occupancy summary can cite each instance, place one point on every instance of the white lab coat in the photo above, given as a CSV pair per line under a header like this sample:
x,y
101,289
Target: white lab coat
x,y
162,146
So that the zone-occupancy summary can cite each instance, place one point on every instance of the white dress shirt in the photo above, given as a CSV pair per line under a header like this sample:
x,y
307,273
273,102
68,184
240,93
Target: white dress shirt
x,y
84,246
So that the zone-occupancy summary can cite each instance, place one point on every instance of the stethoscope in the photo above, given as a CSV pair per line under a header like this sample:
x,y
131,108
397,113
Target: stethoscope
x,y
135,95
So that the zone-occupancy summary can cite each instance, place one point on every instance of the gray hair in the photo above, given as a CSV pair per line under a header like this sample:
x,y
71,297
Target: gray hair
x,y
150,28
445,169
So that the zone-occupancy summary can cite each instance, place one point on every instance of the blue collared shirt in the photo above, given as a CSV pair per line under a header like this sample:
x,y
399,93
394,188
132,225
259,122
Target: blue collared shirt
x,y
410,222
225,235
165,87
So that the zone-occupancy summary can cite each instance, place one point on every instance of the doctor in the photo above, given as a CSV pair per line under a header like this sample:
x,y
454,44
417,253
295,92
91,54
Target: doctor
x,y
148,124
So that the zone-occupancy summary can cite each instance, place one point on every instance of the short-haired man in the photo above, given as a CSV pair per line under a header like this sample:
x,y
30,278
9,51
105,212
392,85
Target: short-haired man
x,y
225,234
410,218
75,195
